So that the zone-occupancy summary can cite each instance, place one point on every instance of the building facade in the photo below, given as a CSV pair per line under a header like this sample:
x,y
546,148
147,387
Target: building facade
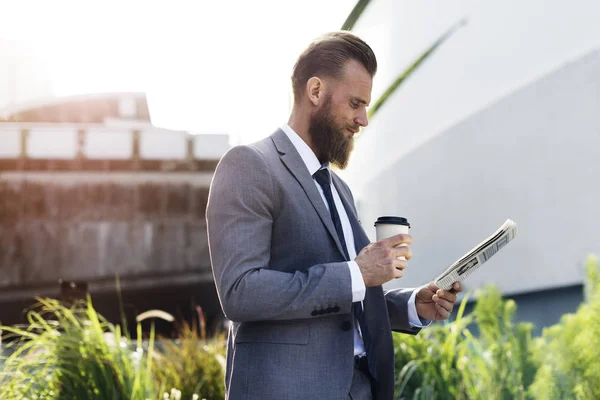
x,y
90,191
501,122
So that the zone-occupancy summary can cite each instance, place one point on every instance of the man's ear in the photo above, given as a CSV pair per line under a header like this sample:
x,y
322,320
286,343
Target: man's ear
x,y
315,89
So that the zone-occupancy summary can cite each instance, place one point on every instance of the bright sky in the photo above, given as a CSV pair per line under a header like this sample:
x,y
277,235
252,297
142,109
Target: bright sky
x,y
207,66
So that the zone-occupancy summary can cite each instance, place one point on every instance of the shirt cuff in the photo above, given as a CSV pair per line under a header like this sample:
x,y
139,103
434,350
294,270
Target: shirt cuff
x,y
358,284
413,318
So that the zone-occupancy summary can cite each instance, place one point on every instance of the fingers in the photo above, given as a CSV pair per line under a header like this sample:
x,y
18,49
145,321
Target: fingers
x,y
400,264
445,295
398,273
397,240
385,260
444,314
398,268
456,287
433,287
402,253
398,245
444,302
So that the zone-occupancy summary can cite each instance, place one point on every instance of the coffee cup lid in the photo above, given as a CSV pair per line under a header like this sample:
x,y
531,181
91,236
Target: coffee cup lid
x,y
392,221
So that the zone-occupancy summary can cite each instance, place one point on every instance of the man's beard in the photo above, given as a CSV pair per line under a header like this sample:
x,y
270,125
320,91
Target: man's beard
x,y
329,140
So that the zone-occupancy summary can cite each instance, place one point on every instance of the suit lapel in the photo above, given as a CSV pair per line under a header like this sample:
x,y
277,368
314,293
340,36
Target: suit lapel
x,y
292,160
360,237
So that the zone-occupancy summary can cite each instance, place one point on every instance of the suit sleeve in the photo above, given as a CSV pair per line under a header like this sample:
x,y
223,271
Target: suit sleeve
x,y
397,305
239,217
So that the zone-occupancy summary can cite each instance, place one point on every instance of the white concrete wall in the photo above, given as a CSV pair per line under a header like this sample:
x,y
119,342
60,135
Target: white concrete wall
x,y
506,44
534,157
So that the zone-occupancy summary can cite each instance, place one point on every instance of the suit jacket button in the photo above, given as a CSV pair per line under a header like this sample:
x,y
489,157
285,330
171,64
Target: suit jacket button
x,y
346,326
336,309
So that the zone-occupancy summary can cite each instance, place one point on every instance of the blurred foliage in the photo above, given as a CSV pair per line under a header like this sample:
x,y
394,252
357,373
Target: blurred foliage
x,y
193,363
355,14
569,352
429,364
502,360
447,361
71,352
502,364
402,76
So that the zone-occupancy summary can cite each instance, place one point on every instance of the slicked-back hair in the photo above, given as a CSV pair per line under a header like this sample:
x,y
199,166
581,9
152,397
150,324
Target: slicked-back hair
x,y
326,57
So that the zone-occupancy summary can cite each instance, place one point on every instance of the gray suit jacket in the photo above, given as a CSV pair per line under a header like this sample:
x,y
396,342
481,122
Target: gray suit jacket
x,y
283,280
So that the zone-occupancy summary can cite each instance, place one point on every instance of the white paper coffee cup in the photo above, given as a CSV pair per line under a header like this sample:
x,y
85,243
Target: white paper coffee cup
x,y
389,226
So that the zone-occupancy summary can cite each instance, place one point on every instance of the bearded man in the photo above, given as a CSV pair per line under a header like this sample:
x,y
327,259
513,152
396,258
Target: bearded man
x,y
294,270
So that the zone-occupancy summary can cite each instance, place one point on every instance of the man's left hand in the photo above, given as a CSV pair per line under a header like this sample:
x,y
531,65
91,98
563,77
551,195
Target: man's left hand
x,y
435,304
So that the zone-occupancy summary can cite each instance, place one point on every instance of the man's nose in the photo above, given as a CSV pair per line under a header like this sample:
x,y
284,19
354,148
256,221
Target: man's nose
x,y
362,119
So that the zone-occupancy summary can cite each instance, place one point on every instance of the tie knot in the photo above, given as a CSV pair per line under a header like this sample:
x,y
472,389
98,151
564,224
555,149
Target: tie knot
x,y
322,177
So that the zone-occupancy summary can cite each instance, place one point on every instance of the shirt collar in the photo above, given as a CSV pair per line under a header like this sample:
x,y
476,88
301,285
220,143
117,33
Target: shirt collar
x,y
308,156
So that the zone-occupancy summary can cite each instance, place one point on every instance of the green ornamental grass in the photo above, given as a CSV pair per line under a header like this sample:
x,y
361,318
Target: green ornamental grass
x,y
569,352
71,352
448,361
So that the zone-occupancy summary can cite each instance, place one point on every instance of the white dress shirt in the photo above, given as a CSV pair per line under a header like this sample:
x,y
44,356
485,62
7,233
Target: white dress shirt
x,y
358,284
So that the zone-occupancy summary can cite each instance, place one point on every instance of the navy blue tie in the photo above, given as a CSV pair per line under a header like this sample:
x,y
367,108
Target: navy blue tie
x,y
322,177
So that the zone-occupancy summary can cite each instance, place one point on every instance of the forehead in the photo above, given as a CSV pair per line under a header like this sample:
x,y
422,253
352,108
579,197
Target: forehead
x,y
356,81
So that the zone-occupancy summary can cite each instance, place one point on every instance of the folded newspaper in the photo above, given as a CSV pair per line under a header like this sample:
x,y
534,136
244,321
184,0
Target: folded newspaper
x,y
471,261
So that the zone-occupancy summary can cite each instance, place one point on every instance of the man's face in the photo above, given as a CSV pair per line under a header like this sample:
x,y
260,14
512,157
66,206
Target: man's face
x,y
338,119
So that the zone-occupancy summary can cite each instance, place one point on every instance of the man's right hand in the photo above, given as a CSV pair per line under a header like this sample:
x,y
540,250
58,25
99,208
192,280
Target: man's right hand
x,y
379,263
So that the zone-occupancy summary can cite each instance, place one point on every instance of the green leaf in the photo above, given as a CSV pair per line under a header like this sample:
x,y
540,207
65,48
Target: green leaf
x,y
355,14
413,67
405,374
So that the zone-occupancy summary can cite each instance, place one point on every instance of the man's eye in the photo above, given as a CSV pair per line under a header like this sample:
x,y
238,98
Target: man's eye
x,y
354,105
